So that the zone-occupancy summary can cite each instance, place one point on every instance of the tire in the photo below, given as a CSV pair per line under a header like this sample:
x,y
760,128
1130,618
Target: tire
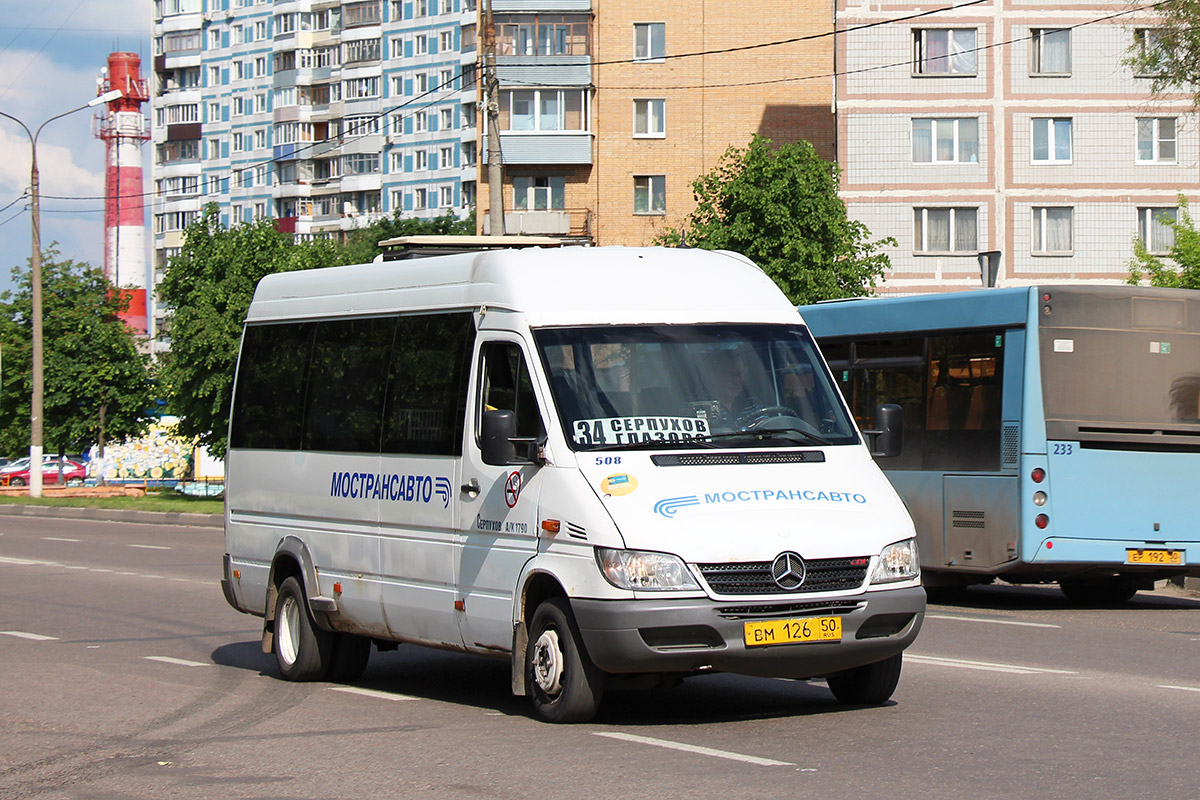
x,y
303,651
868,685
17,482
563,683
350,656
1110,591
74,481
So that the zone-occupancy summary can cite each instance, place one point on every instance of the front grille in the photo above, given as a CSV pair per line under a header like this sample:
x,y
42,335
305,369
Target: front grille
x,y
754,577
732,459
780,610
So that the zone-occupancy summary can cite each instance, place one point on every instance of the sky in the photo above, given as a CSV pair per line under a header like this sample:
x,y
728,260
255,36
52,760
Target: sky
x,y
51,52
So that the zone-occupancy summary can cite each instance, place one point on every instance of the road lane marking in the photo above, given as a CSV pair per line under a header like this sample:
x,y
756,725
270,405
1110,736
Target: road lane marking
x,y
29,562
1180,688
691,748
176,661
1014,669
36,637
378,695
992,621
149,546
25,562
58,539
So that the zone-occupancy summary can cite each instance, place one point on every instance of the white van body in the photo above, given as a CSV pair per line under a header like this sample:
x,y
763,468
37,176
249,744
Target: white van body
x,y
678,544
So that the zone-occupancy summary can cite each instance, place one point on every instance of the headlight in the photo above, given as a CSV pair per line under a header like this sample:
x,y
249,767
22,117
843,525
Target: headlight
x,y
644,571
897,562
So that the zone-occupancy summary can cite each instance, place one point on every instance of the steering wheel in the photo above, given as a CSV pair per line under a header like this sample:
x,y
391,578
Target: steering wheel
x,y
768,417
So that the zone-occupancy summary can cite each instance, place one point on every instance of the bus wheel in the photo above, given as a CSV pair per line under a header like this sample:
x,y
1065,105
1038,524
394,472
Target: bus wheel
x,y
1110,591
350,656
868,685
303,651
564,684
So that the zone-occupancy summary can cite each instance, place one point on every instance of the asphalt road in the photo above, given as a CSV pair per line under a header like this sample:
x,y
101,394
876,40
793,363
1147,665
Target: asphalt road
x,y
124,674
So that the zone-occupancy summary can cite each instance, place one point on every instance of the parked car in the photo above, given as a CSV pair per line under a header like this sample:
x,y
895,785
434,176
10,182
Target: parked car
x,y
72,473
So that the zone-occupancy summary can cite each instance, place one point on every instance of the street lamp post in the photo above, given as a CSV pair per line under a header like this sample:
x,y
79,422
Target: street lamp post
x,y
35,278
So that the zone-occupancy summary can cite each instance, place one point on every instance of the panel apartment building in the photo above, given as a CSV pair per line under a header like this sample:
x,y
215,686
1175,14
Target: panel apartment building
x,y
1008,127
326,114
322,114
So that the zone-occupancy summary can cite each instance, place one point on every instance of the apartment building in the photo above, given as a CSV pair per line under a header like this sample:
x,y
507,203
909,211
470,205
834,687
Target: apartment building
x,y
1011,129
322,114
610,109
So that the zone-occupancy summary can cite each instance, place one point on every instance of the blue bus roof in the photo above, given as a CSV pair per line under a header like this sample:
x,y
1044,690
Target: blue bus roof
x,y
981,308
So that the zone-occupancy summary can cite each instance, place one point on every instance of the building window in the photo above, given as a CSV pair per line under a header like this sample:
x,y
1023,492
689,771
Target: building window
x,y
446,196
650,194
1050,51
649,118
421,160
361,88
1155,139
420,44
1156,228
420,121
445,41
945,230
1052,230
543,110
1051,140
420,199
445,119
649,41
446,158
539,192
361,50
1148,51
945,141
944,51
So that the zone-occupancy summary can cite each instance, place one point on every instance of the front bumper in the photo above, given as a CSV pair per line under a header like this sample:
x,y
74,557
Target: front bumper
x,y
680,636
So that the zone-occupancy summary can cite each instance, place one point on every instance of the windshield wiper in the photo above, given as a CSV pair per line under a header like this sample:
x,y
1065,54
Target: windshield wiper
x,y
770,433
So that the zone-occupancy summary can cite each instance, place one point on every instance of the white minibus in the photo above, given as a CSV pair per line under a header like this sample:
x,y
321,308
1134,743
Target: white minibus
x,y
610,466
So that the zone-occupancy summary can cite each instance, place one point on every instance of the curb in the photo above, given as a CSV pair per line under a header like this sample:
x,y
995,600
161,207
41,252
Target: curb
x,y
116,515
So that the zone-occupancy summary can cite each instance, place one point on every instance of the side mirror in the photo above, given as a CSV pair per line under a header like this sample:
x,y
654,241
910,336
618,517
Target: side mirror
x,y
889,433
499,441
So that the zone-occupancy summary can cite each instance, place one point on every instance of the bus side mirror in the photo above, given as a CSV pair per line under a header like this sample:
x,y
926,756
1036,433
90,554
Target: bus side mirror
x,y
499,441
889,433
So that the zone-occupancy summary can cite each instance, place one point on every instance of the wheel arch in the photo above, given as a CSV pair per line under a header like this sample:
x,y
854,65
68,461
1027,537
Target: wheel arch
x,y
292,559
536,588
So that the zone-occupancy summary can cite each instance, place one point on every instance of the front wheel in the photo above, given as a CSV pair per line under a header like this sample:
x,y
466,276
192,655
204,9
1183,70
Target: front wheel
x,y
17,482
867,685
303,651
564,684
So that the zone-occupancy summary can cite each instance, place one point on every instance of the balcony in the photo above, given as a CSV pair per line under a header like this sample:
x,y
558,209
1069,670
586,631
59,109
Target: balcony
x,y
573,222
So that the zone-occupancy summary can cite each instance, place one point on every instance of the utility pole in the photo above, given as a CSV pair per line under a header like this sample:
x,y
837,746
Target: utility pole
x,y
491,89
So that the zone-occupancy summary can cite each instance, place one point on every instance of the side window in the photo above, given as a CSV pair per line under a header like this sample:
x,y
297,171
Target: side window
x,y
889,371
346,385
505,384
964,390
268,405
427,388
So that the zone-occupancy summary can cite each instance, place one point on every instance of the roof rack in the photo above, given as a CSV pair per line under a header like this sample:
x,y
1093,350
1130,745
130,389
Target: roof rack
x,y
406,247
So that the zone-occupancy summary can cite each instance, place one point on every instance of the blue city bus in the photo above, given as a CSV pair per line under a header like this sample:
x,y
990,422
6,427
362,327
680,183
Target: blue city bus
x,y
1050,433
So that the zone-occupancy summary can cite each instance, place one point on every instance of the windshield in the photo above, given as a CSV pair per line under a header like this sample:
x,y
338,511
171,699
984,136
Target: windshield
x,y
688,386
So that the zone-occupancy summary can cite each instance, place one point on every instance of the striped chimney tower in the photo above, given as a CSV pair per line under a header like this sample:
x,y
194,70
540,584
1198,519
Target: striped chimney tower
x,y
123,129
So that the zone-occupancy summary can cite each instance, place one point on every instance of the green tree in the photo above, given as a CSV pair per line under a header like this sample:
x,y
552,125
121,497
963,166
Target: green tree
x,y
1170,51
97,383
1183,269
363,245
208,287
780,208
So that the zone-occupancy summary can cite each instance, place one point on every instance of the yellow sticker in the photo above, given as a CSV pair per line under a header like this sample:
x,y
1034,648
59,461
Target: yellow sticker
x,y
619,484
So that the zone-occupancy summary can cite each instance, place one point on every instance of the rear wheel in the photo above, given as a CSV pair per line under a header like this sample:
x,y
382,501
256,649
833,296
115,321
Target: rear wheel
x,y
563,683
868,685
17,482
303,651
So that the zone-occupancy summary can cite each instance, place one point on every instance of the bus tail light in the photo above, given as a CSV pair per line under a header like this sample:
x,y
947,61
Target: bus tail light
x,y
1038,475
1041,520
